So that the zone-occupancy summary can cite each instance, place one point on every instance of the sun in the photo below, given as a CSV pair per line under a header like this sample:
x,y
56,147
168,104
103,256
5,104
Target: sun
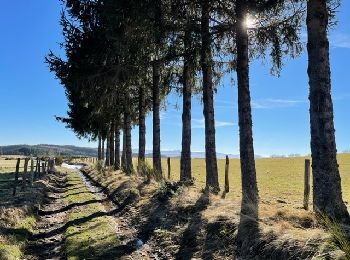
x,y
250,22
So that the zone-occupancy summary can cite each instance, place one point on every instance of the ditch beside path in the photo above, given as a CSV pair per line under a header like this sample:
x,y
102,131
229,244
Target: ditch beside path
x,y
78,221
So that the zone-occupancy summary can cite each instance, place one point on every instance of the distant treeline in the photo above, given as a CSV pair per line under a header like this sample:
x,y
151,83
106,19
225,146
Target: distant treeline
x,y
47,150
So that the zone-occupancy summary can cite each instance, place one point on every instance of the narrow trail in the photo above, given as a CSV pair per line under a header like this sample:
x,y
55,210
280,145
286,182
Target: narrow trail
x,y
77,219
46,244
131,246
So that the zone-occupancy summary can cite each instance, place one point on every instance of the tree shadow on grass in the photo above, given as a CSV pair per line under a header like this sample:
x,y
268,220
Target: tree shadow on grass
x,y
219,239
68,207
189,239
253,242
85,219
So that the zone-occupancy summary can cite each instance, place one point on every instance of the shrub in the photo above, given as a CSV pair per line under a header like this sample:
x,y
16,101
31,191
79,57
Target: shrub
x,y
144,169
58,161
100,167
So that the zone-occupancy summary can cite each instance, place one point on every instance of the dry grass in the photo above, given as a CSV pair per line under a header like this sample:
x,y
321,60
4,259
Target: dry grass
x,y
185,225
17,216
278,178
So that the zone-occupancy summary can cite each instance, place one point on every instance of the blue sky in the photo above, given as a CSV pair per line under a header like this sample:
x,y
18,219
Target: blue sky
x,y
30,95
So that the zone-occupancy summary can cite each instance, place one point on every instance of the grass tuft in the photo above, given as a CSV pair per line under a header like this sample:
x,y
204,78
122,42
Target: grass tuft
x,y
339,239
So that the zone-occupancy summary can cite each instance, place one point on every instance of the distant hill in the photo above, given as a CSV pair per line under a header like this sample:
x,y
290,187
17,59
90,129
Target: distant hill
x,y
71,150
47,149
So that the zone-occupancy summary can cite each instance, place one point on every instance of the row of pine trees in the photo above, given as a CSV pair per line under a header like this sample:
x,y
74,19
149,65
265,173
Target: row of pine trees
x,y
123,57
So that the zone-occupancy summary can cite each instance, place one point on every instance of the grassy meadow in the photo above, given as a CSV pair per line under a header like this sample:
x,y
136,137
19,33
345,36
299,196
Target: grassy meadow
x,y
17,216
278,178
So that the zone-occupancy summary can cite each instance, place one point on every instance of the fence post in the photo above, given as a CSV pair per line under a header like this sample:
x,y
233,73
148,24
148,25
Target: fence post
x,y
306,184
16,176
31,171
43,168
227,184
39,169
25,170
169,168
37,165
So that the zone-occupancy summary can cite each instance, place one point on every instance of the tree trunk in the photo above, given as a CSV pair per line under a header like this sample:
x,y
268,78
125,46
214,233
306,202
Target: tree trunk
x,y
124,146
108,148
111,144
99,148
117,147
327,194
103,150
185,162
249,207
212,181
157,165
142,125
128,148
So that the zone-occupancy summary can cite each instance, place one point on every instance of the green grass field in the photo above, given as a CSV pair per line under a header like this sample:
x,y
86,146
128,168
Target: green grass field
x,y
278,178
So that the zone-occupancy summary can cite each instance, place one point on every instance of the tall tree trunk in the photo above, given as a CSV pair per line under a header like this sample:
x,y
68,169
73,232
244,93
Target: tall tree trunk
x,y
117,147
327,194
124,147
212,181
142,125
103,150
99,148
185,162
111,144
128,148
250,195
157,165
108,148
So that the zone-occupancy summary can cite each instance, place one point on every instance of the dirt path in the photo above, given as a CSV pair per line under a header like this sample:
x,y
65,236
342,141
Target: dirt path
x,y
78,221
46,243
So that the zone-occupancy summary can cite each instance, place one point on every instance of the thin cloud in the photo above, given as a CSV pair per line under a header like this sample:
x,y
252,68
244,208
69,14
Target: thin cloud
x,y
199,123
275,103
336,39
162,115
340,40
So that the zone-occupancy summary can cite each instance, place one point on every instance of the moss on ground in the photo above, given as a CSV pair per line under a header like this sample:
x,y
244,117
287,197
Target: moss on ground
x,y
91,232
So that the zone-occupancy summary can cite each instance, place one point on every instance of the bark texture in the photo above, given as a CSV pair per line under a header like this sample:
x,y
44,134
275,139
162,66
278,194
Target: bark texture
x,y
103,149
117,148
108,149
128,148
157,165
123,163
99,148
142,124
111,144
185,162
212,181
250,195
327,194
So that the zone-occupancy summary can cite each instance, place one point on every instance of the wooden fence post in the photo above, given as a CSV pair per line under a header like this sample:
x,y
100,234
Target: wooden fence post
x,y
43,168
39,169
31,171
24,176
37,165
306,184
169,168
227,184
16,176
